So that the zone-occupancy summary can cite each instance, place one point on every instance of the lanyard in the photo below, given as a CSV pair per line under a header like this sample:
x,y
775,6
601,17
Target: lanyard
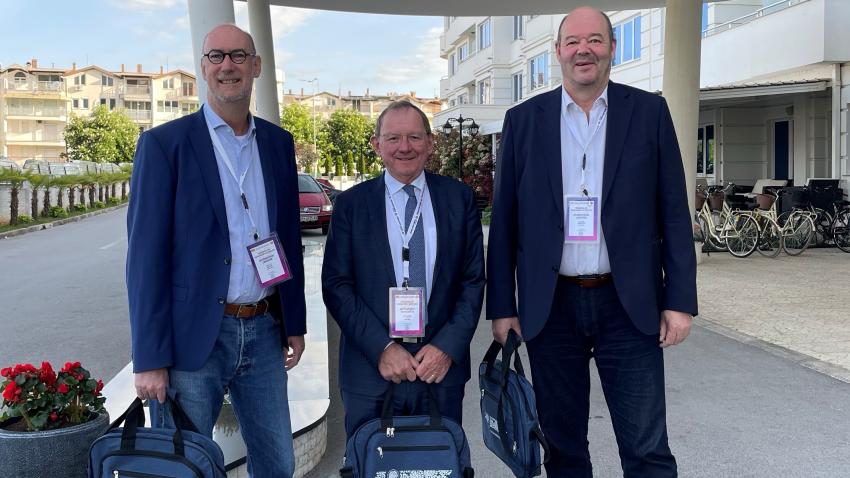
x,y
408,234
572,127
239,180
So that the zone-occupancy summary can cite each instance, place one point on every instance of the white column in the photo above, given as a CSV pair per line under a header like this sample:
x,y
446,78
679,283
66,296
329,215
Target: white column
x,y
835,170
680,86
259,19
203,16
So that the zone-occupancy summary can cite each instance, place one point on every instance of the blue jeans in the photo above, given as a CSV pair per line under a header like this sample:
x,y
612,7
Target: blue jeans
x,y
248,361
587,323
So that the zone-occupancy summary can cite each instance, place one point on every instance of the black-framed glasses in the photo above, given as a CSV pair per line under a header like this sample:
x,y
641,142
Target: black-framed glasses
x,y
236,56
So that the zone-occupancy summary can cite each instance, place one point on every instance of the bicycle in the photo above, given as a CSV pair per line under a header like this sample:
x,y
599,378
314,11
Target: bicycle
x,y
796,228
839,228
725,229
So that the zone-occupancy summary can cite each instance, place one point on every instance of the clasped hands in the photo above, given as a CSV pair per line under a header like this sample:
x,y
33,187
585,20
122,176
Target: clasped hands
x,y
430,364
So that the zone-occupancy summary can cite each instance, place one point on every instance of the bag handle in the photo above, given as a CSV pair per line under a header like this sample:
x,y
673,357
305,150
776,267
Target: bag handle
x,y
538,433
510,348
433,408
134,418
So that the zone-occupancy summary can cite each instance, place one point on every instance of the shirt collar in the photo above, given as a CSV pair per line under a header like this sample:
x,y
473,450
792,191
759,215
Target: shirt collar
x,y
567,100
215,121
394,185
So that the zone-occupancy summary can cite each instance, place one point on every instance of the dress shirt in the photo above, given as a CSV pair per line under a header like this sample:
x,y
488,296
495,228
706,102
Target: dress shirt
x,y
399,198
577,139
242,150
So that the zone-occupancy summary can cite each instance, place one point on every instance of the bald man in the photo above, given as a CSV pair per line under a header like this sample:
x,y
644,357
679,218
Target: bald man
x,y
591,227
215,193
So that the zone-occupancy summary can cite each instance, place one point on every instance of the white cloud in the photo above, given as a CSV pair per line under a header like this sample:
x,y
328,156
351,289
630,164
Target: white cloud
x,y
285,20
423,64
145,5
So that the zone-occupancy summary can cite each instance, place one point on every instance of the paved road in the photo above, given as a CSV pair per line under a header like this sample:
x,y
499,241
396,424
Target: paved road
x,y
63,298
733,411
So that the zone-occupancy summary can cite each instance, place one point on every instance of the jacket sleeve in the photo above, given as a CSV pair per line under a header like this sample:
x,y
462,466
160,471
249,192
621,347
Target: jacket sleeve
x,y
150,219
291,292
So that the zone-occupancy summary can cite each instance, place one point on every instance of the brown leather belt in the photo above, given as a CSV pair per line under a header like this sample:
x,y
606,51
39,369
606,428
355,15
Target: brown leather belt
x,y
246,311
588,281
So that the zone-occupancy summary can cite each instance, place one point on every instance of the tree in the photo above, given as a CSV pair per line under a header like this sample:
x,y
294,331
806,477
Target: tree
x,y
296,119
346,133
16,179
103,137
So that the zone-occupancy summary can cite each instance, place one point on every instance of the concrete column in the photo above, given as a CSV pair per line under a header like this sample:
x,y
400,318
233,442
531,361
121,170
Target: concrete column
x,y
203,16
259,19
681,79
835,170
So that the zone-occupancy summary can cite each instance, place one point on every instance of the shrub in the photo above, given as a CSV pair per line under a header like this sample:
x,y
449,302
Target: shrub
x,y
113,201
80,208
99,205
58,212
24,219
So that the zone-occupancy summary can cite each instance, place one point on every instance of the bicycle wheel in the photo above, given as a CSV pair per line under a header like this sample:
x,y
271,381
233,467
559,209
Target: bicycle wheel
x,y
797,233
770,240
823,221
742,235
840,230
708,240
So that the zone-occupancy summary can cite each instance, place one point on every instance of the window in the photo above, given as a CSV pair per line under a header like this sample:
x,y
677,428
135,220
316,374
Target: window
x,y
188,88
112,103
705,151
106,80
451,103
452,64
167,106
103,101
483,92
462,52
538,71
330,101
168,84
516,87
704,17
85,103
80,80
628,41
518,32
463,99
75,103
484,36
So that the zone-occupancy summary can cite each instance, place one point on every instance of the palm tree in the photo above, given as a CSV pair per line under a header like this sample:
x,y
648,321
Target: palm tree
x,y
39,181
64,182
16,179
126,174
88,182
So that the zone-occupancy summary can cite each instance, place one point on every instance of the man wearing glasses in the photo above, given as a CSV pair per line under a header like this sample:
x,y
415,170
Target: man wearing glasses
x,y
215,275
403,276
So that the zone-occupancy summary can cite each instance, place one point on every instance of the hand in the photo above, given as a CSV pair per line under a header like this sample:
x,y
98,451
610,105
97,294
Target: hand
x,y
396,364
152,384
294,350
675,327
433,364
501,327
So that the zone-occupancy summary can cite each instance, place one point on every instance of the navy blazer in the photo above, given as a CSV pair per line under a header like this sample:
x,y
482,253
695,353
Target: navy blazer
x,y
645,215
178,259
358,272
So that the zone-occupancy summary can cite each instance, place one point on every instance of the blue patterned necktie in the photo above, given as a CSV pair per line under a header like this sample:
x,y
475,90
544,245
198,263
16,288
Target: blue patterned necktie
x,y
417,242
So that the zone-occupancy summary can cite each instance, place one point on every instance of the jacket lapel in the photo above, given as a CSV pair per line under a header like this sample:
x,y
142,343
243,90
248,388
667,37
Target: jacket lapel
x,y
441,217
205,157
620,105
378,222
268,152
549,137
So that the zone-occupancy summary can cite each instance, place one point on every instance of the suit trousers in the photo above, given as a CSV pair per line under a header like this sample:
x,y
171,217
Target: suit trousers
x,y
409,398
587,323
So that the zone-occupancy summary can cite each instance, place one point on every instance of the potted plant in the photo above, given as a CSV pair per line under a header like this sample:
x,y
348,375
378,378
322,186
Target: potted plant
x,y
48,420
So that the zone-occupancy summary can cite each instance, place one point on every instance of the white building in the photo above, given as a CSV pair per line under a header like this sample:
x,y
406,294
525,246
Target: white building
x,y
775,80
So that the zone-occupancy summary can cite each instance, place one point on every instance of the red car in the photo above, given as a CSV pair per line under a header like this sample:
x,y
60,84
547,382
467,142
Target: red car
x,y
314,204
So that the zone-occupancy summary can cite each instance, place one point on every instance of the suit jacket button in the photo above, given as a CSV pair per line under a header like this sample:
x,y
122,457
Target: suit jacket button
x,y
227,261
555,269
221,300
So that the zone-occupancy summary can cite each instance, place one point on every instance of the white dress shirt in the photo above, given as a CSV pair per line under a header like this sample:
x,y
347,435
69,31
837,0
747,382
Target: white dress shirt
x,y
399,198
581,136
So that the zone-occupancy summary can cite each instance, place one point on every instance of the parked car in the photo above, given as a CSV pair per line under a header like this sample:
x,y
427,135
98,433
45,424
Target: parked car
x,y
314,204
329,188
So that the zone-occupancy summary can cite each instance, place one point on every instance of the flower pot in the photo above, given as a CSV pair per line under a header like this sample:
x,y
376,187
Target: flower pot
x,y
61,452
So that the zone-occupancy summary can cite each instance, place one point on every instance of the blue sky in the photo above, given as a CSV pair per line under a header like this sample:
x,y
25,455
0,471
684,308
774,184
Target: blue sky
x,y
345,51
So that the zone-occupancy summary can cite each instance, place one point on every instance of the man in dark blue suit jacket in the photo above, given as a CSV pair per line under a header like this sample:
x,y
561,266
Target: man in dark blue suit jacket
x,y
205,187
619,297
363,260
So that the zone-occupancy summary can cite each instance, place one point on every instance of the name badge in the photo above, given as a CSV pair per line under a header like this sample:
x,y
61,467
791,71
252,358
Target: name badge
x,y
407,312
269,261
581,222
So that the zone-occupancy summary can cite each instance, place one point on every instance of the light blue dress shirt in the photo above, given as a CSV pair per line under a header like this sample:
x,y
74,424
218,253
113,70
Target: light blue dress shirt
x,y
242,150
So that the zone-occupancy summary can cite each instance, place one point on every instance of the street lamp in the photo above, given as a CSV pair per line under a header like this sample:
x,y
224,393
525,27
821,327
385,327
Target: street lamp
x,y
473,131
315,83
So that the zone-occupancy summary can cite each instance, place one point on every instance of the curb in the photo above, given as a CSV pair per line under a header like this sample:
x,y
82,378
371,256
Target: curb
x,y
59,222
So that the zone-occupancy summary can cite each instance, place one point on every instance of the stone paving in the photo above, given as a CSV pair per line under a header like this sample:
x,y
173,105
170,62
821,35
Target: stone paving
x,y
792,305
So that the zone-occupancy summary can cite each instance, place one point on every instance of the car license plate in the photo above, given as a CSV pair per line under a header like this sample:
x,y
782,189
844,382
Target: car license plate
x,y
310,218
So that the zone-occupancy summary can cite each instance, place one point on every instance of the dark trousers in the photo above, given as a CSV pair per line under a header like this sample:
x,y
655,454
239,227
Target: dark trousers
x,y
587,323
409,398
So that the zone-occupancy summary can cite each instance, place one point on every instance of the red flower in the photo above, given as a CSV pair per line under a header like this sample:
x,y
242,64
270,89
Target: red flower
x,y
6,372
11,392
63,388
54,417
98,388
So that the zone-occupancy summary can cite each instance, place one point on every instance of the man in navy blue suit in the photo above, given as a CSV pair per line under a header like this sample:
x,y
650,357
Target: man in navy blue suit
x,y
213,194
403,275
591,227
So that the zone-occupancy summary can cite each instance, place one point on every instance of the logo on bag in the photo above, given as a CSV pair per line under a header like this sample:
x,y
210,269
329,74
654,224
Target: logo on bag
x,y
414,474
492,424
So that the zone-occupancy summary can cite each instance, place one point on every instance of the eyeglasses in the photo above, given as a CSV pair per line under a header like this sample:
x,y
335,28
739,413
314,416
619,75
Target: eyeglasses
x,y
236,56
393,139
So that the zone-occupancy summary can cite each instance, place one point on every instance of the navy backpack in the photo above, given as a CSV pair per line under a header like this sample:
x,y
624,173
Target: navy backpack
x,y
136,451
508,410
430,446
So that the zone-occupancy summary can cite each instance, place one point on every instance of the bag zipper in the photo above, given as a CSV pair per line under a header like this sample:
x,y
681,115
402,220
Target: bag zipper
x,y
135,474
165,456
391,448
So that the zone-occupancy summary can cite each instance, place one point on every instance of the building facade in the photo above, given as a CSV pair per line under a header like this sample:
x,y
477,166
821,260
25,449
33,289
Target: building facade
x,y
772,105
323,104
36,103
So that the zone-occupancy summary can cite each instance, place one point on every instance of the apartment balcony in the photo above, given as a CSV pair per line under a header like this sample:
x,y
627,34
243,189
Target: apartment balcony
x,y
143,116
36,138
782,37
34,89
482,114
36,113
458,28
136,91
445,87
